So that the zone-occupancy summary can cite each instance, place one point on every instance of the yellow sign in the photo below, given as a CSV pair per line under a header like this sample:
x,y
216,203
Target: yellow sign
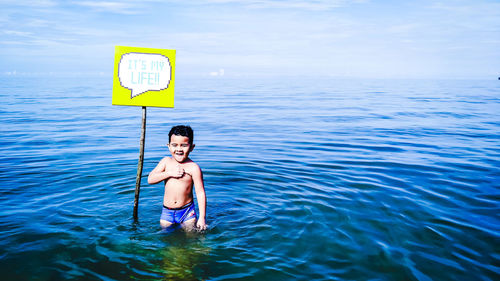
x,y
143,77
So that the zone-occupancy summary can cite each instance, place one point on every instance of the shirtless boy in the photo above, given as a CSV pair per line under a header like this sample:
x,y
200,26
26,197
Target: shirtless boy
x,y
180,173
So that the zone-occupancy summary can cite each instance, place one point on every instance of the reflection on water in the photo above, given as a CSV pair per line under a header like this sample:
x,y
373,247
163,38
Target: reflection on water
x,y
314,179
185,258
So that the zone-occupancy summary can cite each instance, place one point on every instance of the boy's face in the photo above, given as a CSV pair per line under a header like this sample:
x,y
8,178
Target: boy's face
x,y
180,148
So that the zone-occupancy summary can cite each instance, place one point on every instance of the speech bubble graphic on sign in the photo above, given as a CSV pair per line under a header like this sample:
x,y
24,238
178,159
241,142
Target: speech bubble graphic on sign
x,y
144,72
144,77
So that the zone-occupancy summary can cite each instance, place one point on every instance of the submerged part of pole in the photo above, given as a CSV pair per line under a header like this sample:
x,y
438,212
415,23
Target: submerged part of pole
x,y
141,161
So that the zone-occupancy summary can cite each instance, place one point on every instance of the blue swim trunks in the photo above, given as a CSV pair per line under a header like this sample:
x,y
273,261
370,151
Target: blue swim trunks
x,y
178,215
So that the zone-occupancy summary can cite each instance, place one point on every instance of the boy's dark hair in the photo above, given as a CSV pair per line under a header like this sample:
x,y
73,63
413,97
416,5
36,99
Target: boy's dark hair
x,y
181,130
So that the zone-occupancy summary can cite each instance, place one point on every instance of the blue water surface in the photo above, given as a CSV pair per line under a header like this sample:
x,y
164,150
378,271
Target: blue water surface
x,y
306,179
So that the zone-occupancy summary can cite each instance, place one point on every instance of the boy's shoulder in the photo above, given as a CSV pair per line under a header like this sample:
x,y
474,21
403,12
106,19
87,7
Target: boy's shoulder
x,y
192,168
191,165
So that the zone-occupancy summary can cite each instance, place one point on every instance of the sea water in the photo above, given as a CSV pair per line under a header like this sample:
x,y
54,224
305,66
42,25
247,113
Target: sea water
x,y
306,179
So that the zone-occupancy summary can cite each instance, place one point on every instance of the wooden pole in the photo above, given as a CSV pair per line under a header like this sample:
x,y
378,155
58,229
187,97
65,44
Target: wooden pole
x,y
140,164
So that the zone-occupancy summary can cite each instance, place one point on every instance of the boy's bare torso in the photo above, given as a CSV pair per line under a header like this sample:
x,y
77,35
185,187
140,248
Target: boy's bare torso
x,y
179,191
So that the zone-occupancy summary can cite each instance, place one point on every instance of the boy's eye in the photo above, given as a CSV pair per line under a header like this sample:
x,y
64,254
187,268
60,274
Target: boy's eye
x,y
181,145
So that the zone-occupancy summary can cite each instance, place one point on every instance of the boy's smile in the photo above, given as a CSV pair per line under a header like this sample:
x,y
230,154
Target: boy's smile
x,y
180,148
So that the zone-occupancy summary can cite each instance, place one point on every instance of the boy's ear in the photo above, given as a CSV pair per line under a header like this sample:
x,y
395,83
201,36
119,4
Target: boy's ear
x,y
191,147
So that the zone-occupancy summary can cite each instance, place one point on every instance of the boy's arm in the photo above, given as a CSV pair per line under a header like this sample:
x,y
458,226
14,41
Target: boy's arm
x,y
161,172
201,196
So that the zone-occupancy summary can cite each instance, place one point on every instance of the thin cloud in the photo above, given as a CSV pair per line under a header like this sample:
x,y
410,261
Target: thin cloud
x,y
109,6
31,3
313,5
36,23
16,33
306,5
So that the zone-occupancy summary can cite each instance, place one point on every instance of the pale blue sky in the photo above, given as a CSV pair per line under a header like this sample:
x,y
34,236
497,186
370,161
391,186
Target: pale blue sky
x,y
345,38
